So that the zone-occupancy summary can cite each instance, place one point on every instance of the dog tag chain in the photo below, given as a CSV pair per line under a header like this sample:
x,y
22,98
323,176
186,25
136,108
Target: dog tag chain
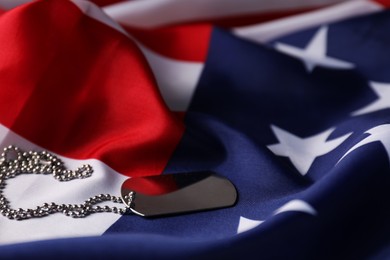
x,y
145,196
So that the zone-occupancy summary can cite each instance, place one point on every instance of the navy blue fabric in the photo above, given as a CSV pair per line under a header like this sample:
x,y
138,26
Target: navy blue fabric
x,y
244,89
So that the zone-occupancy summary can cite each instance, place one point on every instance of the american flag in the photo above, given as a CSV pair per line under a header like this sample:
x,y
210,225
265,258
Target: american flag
x,y
287,99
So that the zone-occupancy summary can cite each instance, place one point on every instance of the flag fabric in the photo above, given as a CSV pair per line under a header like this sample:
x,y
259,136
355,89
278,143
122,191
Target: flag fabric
x,y
287,99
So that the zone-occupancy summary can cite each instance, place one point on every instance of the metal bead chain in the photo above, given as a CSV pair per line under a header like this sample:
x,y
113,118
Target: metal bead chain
x,y
14,162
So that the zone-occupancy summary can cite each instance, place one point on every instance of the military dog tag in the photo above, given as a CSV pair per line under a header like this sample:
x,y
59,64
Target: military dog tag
x,y
177,193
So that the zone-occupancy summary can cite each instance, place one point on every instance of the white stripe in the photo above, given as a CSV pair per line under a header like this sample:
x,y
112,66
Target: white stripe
x,y
176,79
268,31
29,191
9,4
153,13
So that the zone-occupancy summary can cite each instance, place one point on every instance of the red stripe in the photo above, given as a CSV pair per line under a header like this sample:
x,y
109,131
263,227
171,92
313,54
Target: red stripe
x,y
385,3
182,42
81,89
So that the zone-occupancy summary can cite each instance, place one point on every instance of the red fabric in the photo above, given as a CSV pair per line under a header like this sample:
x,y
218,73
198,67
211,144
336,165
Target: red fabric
x,y
385,3
83,90
182,42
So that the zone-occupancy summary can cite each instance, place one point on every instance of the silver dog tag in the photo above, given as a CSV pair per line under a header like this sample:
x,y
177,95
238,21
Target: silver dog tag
x,y
177,193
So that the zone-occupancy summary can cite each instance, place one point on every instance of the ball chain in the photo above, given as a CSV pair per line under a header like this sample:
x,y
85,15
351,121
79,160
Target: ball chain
x,y
14,162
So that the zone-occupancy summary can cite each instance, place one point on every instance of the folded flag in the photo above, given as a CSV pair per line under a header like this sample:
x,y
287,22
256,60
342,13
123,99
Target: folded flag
x,y
293,111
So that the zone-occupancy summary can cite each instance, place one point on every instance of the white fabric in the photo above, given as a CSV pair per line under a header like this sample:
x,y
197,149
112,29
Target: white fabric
x,y
177,80
8,4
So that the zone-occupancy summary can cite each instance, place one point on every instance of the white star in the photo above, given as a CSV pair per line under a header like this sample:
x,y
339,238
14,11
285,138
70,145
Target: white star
x,y
315,53
297,205
383,92
379,133
246,224
303,151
